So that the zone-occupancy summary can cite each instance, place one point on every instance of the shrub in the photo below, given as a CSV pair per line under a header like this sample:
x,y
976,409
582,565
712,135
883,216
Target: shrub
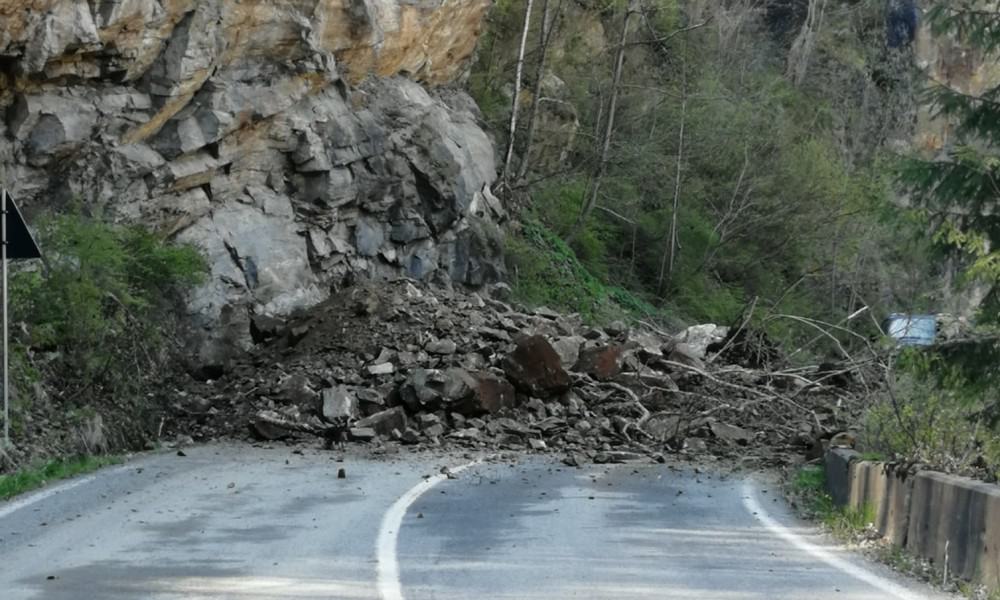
x,y
931,413
96,316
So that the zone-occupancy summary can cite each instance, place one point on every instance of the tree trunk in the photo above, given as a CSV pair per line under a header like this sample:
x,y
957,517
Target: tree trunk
x,y
543,48
670,252
609,128
802,47
517,93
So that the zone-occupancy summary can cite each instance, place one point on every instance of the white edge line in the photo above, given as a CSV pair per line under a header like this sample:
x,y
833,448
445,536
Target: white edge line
x,y
16,505
884,585
388,582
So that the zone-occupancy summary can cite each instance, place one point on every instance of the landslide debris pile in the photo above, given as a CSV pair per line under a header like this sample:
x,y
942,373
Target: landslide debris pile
x,y
401,364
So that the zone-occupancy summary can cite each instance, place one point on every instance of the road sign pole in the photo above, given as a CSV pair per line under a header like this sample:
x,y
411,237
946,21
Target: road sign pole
x,y
6,362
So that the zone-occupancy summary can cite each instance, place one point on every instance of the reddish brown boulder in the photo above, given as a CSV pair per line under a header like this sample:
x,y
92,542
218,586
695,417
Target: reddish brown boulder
x,y
534,367
490,393
600,362
494,393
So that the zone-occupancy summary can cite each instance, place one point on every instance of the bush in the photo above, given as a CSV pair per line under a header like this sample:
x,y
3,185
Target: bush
x,y
931,413
95,316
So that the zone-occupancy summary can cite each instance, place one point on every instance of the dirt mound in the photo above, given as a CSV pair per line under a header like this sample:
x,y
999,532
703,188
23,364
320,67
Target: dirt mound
x,y
401,364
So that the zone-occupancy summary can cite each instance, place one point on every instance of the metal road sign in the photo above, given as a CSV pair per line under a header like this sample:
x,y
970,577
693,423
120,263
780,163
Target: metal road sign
x,y
15,242
16,237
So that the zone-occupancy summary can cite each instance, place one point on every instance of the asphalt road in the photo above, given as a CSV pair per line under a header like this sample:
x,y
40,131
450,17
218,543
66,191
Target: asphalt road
x,y
247,523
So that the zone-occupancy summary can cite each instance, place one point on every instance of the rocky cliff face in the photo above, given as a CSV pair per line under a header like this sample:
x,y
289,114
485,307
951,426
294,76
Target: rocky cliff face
x,y
297,142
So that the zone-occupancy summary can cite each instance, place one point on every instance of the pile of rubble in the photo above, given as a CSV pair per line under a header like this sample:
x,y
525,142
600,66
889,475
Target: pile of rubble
x,y
401,364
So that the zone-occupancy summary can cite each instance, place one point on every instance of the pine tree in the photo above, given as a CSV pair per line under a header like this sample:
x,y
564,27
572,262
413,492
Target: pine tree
x,y
959,190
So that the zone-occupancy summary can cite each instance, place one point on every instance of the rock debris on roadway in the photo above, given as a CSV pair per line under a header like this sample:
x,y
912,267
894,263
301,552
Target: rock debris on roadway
x,y
402,364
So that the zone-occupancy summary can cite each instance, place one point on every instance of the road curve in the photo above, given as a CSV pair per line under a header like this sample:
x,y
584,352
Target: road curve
x,y
246,523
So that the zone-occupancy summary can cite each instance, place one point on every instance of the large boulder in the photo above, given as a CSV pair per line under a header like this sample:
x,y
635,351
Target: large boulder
x,y
491,394
338,405
536,368
602,362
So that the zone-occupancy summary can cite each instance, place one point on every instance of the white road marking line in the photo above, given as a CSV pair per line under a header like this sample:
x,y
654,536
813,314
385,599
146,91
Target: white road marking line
x,y
388,583
884,585
16,505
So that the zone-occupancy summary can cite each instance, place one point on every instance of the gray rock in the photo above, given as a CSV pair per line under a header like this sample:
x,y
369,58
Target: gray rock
x,y
649,345
441,347
295,388
684,354
459,384
428,419
370,400
264,328
695,445
362,434
339,405
386,368
537,445
268,431
663,428
434,431
422,390
235,133
501,291
368,237
731,433
538,407
698,338
386,421
616,329
568,349
548,313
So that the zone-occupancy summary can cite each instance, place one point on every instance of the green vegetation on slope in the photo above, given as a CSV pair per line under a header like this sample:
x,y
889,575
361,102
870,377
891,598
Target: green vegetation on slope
x,y
94,323
782,188
544,271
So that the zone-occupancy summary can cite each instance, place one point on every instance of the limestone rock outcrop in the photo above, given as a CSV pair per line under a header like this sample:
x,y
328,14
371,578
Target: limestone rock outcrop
x,y
296,142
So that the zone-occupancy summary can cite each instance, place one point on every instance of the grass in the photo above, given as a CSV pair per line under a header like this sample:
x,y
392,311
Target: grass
x,y
33,478
873,456
844,522
545,271
808,486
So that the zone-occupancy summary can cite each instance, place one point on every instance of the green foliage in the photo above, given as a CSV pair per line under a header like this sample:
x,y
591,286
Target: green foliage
x,y
559,206
934,412
847,521
545,271
958,190
30,479
945,412
972,22
781,189
808,486
98,311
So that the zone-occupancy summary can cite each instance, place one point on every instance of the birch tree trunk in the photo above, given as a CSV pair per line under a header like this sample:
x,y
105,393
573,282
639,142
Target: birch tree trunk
x,y
670,252
543,48
517,94
802,47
